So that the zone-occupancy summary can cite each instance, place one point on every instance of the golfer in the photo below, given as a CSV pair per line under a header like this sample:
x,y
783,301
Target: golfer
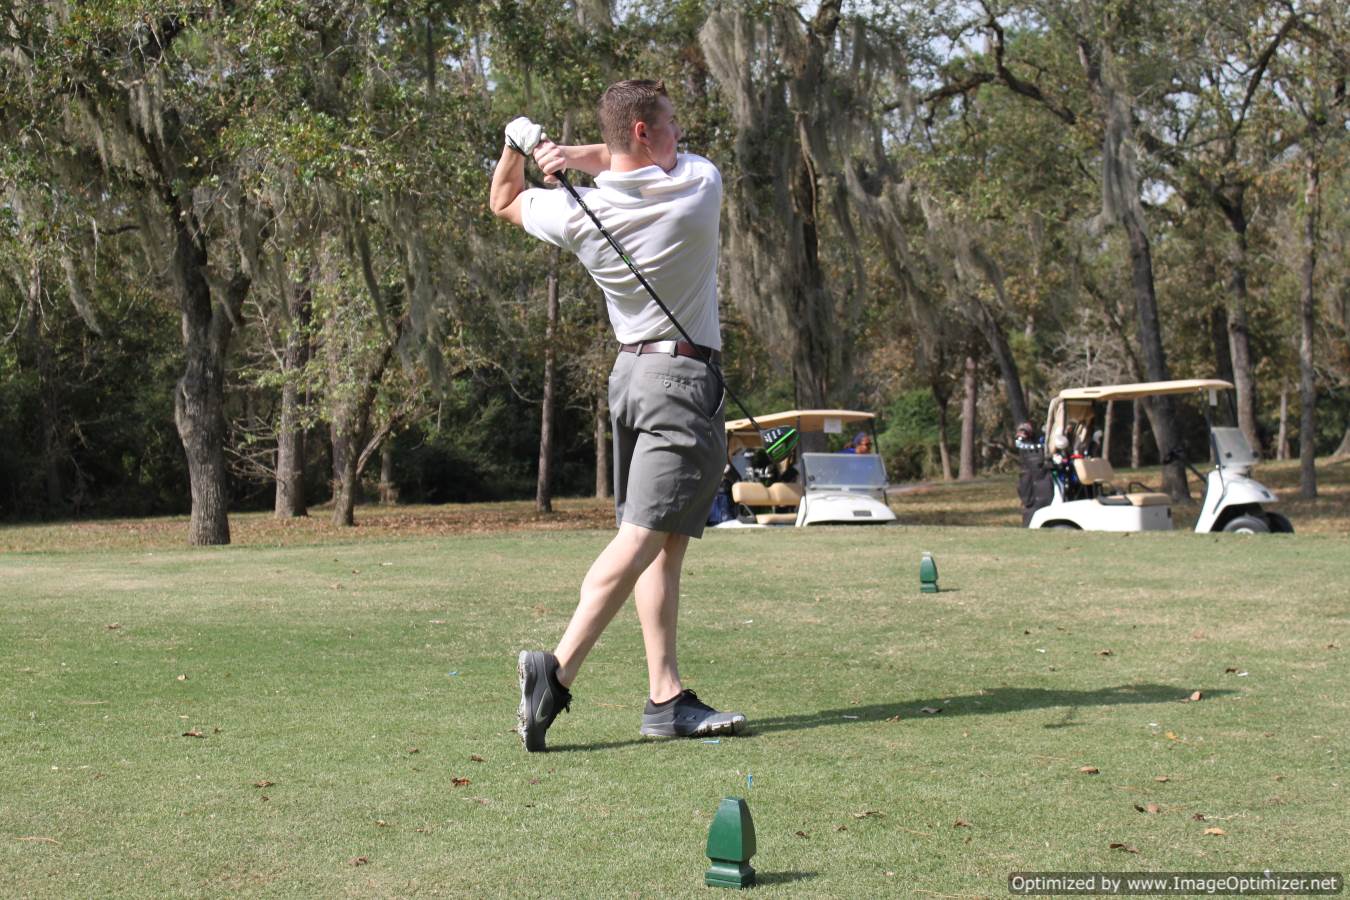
x,y
665,404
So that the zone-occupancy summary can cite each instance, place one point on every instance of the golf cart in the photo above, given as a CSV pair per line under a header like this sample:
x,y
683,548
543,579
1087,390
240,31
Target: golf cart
x,y
1085,495
805,488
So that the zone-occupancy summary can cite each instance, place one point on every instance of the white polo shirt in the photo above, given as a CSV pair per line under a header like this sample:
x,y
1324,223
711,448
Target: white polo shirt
x,y
668,223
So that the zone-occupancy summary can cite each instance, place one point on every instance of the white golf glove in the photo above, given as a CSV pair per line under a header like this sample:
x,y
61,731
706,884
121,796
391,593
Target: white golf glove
x,y
524,135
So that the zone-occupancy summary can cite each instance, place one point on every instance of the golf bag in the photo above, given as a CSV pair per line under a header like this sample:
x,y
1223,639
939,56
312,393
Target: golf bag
x,y
1035,484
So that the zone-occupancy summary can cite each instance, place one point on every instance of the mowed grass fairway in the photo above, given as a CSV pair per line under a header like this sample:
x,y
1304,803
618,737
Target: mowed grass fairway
x,y
355,703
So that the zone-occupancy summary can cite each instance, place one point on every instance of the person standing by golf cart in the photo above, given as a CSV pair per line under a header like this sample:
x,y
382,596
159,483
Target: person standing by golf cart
x,y
666,404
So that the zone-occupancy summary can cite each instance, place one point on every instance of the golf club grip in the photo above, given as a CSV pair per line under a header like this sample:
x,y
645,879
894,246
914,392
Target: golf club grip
x,y
632,267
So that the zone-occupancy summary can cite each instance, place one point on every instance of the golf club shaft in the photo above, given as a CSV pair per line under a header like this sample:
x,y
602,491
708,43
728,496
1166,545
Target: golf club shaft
x,y
623,255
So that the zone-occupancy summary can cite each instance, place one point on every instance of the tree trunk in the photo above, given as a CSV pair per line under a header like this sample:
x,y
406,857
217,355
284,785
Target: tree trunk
x,y
350,419
602,443
199,400
1136,434
34,351
344,472
1160,410
1244,378
1282,440
1344,448
290,477
969,408
1107,427
944,453
1307,390
388,491
543,490
997,339
1223,354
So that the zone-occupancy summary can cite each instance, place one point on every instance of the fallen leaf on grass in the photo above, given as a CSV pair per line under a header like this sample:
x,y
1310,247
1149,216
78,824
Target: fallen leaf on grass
x,y
893,719
534,781
1162,778
1199,817
961,823
460,782
263,784
182,678
1230,670
868,814
113,626
1194,697
1104,652
1215,831
1116,845
841,828
193,733
359,860
1151,808
1333,646
475,758
381,823
1089,770
38,839
801,834
931,710
1172,736
413,750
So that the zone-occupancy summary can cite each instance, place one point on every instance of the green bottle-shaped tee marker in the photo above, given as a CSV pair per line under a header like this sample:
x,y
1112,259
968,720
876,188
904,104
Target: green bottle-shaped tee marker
x,y
928,575
731,843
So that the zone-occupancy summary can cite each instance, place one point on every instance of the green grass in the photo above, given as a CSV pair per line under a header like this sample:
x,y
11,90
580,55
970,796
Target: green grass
x,y
320,667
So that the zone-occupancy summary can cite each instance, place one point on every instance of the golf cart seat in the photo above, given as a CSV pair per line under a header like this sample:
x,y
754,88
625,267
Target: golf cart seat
x,y
780,494
1099,471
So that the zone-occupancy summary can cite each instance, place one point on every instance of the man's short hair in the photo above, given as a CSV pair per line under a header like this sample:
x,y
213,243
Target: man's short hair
x,y
624,104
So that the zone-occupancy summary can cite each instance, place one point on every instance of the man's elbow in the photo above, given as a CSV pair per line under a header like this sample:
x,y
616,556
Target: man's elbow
x,y
509,210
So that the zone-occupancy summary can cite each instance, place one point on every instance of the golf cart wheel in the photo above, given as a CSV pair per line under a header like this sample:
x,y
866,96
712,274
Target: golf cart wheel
x,y
1279,524
1064,526
1247,525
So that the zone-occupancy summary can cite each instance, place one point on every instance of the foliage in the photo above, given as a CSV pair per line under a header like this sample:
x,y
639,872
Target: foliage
x,y
907,185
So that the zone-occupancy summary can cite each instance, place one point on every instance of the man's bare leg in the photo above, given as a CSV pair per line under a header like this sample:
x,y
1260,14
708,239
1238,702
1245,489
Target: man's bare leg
x,y
606,586
657,594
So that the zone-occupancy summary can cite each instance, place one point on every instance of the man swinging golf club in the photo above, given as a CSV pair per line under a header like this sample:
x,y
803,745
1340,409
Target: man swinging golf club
x,y
666,398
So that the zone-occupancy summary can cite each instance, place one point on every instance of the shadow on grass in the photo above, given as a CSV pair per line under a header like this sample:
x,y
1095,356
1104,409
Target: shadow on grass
x,y
767,878
997,700
990,702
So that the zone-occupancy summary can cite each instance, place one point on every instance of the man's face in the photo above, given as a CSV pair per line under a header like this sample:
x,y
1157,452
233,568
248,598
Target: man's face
x,y
659,134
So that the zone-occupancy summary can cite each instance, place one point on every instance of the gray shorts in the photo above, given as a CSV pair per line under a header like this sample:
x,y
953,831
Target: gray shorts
x,y
670,447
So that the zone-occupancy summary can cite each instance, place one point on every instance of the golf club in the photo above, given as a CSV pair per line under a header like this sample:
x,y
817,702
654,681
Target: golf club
x,y
778,442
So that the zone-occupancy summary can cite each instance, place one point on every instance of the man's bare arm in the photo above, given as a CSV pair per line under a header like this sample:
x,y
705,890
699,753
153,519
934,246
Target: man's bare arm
x,y
508,179
589,158
508,183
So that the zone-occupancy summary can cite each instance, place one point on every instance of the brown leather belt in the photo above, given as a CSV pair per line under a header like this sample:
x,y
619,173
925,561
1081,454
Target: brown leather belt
x,y
675,348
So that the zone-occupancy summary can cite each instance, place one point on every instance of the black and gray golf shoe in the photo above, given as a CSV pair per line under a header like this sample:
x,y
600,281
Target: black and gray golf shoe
x,y
542,697
688,716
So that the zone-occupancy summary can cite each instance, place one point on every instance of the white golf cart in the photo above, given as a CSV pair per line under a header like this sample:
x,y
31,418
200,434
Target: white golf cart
x,y
1085,495
806,488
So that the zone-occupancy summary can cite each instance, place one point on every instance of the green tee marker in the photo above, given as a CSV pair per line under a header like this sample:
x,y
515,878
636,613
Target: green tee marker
x,y
731,843
928,575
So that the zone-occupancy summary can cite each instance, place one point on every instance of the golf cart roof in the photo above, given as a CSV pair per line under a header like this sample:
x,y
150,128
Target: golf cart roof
x,y
741,434
1144,389
801,419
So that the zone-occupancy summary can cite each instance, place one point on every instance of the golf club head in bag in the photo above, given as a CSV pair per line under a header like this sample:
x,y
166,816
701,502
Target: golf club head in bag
x,y
779,442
